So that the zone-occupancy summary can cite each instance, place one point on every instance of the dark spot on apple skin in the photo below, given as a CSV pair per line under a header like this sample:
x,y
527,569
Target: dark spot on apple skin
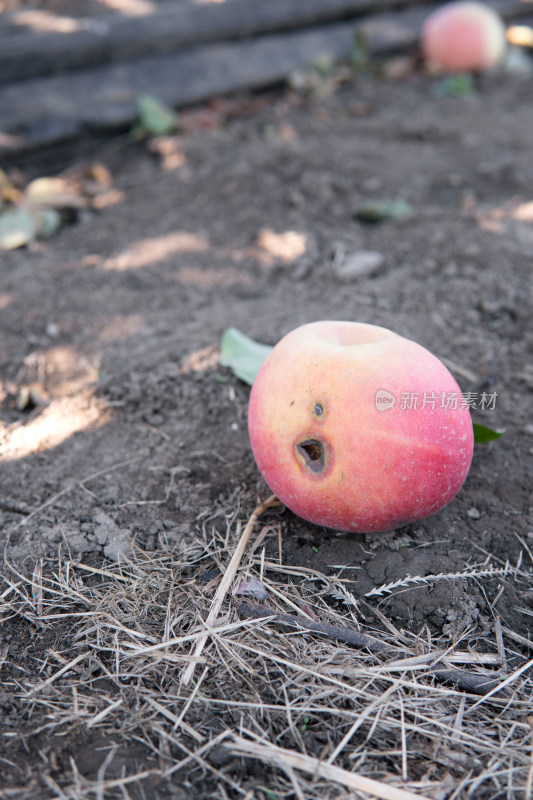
x,y
313,453
318,410
291,403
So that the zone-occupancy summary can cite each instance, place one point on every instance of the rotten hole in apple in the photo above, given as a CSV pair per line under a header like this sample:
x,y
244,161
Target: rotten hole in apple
x,y
313,454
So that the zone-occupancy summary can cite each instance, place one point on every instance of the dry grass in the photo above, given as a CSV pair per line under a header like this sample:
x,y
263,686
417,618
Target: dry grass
x,y
312,700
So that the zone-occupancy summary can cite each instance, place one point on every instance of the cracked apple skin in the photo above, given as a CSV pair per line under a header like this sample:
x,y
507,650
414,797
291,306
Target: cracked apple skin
x,y
337,456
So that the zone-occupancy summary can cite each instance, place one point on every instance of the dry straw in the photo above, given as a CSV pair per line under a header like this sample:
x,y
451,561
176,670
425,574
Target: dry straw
x,y
157,653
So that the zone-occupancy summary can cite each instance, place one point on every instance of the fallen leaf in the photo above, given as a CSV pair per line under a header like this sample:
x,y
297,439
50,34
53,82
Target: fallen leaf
x,y
21,226
170,150
17,228
100,175
373,211
31,396
286,246
252,588
242,354
8,192
201,119
483,434
46,221
461,85
109,198
54,193
360,57
156,118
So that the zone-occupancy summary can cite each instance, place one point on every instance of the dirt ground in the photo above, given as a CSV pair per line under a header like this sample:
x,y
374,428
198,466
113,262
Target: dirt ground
x,y
137,435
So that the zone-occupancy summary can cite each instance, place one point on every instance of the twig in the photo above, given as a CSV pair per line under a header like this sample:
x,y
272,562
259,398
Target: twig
x,y
197,753
501,685
467,681
104,572
517,638
403,740
339,632
460,370
285,758
368,710
167,713
529,782
104,713
60,672
524,545
350,636
225,584
16,508
499,642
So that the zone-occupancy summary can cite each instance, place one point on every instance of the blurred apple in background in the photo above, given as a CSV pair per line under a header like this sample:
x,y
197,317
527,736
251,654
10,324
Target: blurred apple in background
x,y
463,37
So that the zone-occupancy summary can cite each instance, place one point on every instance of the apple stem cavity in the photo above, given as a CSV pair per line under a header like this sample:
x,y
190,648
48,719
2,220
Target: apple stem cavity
x,y
313,454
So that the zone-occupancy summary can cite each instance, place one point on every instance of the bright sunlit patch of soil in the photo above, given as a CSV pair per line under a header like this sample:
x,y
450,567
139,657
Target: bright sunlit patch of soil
x,y
64,417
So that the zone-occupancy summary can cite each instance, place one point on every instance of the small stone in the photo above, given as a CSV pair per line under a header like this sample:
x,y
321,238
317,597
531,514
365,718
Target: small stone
x,y
357,264
473,513
52,330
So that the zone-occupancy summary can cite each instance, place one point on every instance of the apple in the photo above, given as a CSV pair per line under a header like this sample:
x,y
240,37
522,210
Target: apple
x,y
463,37
358,429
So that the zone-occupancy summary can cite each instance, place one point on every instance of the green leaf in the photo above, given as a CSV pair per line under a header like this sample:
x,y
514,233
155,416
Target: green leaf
x,y
17,228
47,222
21,225
482,434
373,211
360,57
461,85
242,354
155,117
324,64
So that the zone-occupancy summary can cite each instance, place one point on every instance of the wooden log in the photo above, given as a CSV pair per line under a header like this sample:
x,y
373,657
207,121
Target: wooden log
x,y
169,28
173,26
53,109
49,110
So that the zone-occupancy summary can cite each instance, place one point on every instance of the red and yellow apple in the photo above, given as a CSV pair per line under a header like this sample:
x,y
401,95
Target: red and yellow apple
x,y
463,37
358,429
